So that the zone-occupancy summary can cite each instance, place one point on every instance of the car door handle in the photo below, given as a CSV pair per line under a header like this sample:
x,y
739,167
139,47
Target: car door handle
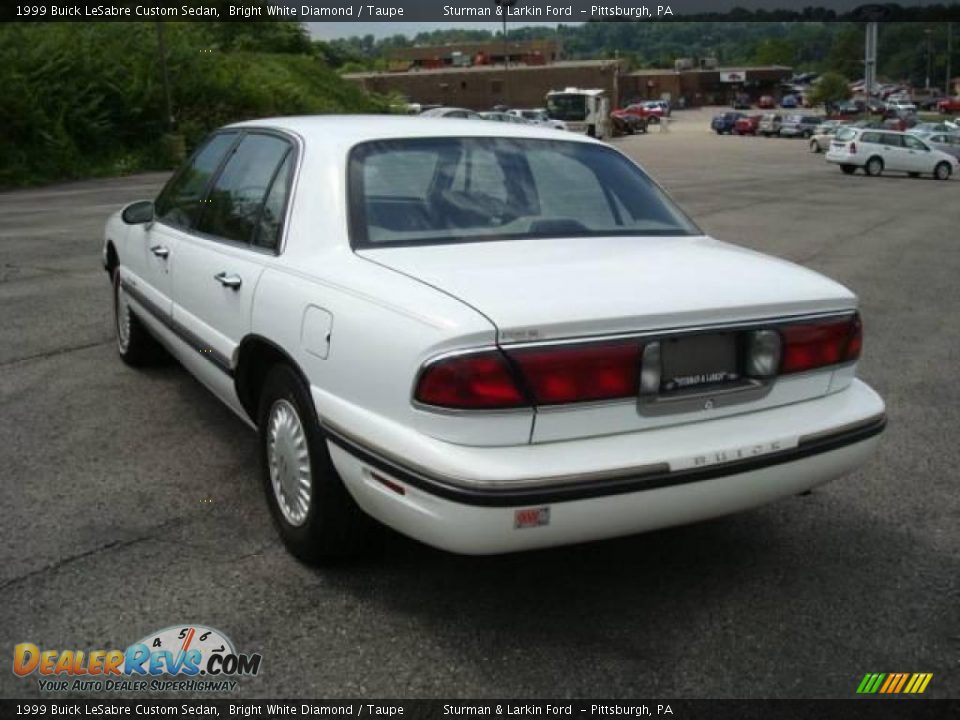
x,y
231,281
160,251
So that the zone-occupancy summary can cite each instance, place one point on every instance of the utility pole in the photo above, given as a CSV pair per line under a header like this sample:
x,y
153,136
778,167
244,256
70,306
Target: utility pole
x,y
162,43
870,59
947,88
929,33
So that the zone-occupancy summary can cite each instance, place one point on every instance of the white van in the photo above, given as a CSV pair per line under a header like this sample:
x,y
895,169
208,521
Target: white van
x,y
877,151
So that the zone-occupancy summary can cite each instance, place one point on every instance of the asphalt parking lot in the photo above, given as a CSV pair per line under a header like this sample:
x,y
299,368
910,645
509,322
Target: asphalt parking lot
x,y
131,500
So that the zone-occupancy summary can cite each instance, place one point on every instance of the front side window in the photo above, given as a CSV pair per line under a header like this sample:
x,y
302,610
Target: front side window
x,y
181,201
913,144
234,205
445,190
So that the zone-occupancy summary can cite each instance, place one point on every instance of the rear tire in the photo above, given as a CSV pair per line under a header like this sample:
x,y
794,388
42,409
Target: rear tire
x,y
874,167
316,517
814,146
848,169
135,344
942,171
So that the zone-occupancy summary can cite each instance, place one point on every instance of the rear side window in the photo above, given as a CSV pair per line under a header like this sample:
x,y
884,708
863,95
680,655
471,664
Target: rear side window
x,y
238,195
892,140
181,201
870,137
270,223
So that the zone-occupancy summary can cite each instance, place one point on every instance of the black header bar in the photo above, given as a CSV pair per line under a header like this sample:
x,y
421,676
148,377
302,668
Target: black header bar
x,y
471,11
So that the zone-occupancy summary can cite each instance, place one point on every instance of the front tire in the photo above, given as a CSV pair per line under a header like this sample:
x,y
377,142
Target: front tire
x,y
942,171
134,343
874,167
814,146
312,510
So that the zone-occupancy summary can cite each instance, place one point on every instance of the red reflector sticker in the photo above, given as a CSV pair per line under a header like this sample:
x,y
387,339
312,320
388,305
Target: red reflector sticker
x,y
531,517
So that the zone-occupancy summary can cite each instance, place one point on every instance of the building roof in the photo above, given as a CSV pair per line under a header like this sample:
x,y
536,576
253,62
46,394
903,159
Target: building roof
x,y
495,47
672,71
487,68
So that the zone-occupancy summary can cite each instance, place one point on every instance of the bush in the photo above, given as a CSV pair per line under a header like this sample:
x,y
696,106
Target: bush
x,y
87,99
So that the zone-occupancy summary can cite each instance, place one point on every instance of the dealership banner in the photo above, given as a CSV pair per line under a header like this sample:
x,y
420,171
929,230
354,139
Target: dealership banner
x,y
517,708
467,11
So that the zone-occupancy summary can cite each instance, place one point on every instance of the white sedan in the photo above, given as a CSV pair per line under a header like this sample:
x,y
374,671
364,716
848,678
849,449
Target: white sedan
x,y
490,338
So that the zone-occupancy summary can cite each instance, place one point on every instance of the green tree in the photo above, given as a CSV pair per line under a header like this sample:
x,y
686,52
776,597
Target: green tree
x,y
830,87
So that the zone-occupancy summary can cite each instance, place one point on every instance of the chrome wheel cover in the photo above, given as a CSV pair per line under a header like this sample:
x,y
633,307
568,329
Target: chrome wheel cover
x,y
288,459
122,312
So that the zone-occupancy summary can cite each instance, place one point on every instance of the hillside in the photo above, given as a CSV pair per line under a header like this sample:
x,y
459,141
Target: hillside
x,y
88,99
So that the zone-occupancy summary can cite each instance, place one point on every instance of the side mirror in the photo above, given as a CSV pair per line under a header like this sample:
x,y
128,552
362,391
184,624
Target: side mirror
x,y
138,213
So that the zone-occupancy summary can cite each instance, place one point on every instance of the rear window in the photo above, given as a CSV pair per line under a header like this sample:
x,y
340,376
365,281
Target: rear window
x,y
443,190
844,134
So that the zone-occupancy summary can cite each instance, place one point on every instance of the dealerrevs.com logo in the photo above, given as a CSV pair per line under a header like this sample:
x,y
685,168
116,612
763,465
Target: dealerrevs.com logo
x,y
180,658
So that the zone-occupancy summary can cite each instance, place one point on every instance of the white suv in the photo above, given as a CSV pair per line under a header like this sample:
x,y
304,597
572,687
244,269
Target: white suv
x,y
877,151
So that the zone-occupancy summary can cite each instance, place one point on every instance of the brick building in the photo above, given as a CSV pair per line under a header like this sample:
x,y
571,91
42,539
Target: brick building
x,y
433,57
714,86
480,87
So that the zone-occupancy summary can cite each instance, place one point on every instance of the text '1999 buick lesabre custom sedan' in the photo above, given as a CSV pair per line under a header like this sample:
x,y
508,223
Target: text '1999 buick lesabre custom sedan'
x,y
488,338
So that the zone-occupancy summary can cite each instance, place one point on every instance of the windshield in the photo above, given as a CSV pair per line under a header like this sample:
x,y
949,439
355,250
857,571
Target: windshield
x,y
444,190
567,107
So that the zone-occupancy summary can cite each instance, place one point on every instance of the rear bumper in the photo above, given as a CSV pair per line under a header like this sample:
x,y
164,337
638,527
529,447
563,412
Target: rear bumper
x,y
609,486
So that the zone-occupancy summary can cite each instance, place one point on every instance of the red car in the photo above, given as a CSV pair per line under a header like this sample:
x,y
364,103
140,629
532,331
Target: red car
x,y
766,102
948,106
647,110
747,125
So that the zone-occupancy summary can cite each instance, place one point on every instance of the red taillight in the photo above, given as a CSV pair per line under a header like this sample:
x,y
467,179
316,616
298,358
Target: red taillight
x,y
815,345
575,374
479,381
853,148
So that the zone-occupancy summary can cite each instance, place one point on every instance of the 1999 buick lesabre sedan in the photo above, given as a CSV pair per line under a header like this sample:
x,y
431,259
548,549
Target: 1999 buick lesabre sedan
x,y
488,337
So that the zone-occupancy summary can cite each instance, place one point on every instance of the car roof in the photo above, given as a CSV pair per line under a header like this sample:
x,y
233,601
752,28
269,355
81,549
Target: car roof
x,y
349,130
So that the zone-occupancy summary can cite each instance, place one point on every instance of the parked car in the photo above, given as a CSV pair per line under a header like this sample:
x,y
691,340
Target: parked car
x,y
801,126
392,303
725,123
538,116
823,135
929,127
900,123
651,113
766,102
901,106
451,112
878,151
770,124
942,141
747,125
741,101
659,108
949,105
504,117
789,102
625,123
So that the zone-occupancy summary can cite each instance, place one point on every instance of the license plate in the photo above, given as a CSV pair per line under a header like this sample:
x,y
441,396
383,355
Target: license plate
x,y
698,361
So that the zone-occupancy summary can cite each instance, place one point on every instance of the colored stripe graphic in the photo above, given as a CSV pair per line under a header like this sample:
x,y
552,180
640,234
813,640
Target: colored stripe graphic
x,y
894,683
